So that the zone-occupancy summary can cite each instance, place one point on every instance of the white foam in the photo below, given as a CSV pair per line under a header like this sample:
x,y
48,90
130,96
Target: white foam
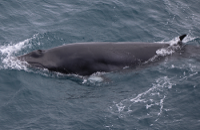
x,y
171,42
120,107
161,105
154,96
11,48
13,63
94,78
175,40
9,51
156,90
189,38
172,48
149,106
164,52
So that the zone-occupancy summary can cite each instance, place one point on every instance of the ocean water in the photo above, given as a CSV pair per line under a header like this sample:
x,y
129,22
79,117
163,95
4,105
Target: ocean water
x,y
164,95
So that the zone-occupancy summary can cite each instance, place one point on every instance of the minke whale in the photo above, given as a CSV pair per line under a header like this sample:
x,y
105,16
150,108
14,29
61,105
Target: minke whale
x,y
88,58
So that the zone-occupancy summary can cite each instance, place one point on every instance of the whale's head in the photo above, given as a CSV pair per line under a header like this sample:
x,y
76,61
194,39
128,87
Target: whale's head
x,y
34,58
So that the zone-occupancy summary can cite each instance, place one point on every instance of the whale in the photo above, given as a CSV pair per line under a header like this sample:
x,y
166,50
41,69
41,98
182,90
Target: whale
x,y
88,58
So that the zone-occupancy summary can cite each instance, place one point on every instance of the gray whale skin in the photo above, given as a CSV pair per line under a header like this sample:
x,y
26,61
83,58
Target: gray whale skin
x,y
88,58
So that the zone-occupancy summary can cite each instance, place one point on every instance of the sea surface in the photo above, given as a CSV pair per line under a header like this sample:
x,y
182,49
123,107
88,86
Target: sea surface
x,y
161,96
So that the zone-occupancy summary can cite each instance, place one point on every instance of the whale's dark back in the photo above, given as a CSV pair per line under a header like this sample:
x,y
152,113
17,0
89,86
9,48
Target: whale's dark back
x,y
88,58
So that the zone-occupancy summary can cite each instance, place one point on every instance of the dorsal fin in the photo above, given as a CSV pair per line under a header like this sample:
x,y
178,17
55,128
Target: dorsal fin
x,y
182,37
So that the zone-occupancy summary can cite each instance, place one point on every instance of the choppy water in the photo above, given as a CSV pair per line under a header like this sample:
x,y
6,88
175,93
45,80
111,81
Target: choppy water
x,y
162,96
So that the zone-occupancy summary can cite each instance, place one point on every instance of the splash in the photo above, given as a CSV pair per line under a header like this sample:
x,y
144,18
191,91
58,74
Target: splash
x,y
171,49
174,41
8,52
96,79
189,38
168,51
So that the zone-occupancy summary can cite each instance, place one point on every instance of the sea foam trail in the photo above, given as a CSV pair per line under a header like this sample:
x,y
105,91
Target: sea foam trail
x,y
151,99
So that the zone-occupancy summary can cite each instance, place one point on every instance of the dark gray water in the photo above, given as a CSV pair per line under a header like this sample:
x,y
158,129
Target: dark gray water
x,y
164,95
